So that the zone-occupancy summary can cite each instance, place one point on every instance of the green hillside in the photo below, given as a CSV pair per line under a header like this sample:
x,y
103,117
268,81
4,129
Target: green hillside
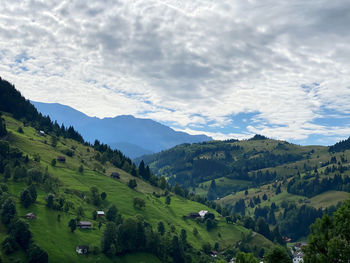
x,y
263,178
248,163
55,236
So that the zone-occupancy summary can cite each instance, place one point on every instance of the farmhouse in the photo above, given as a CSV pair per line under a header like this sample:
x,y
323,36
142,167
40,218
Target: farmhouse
x,y
115,175
202,213
287,239
30,216
85,224
100,213
82,249
61,159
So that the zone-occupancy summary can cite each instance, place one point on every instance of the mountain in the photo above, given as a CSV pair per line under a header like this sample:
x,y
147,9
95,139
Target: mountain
x,y
51,181
133,136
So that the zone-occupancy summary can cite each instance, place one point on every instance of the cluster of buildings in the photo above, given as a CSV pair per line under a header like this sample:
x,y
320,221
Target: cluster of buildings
x,y
297,252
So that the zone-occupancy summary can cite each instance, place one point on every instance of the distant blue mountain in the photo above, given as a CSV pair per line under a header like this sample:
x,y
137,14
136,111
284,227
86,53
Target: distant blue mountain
x,y
133,136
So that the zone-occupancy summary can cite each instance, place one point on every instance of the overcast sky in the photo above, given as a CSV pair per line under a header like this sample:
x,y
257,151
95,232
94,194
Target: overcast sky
x,y
228,68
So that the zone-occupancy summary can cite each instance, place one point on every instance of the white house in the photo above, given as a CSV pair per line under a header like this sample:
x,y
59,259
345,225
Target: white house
x,y
298,257
82,249
202,213
100,213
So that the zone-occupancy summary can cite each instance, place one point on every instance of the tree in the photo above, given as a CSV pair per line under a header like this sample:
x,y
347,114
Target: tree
x,y
20,130
50,200
94,215
9,245
132,183
19,230
54,141
3,130
216,246
142,168
206,248
161,228
176,250
8,211
103,195
183,236
26,198
72,224
263,228
167,200
111,214
278,190
7,174
277,254
33,193
80,211
96,197
139,203
162,183
108,238
37,254
264,197
242,257
329,240
195,231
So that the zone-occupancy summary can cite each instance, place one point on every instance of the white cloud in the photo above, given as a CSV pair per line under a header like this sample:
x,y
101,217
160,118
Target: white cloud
x,y
190,63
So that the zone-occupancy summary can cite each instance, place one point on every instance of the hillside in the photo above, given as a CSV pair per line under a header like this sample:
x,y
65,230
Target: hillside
x,y
55,236
50,171
192,164
133,136
262,178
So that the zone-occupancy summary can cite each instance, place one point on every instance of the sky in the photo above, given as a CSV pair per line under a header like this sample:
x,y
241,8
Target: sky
x,y
228,69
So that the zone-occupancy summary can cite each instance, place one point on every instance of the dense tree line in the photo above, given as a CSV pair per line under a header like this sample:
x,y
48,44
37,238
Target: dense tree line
x,y
315,186
200,162
3,130
340,146
295,221
13,102
329,240
135,235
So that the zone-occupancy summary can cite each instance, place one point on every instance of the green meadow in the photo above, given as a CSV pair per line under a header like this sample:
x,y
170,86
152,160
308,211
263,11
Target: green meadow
x,y
50,228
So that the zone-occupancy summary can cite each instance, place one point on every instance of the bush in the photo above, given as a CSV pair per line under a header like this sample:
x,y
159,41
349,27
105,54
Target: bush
x,y
37,255
132,183
9,245
139,203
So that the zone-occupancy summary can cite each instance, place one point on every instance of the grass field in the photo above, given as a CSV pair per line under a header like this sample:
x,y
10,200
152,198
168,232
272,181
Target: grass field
x,y
55,237
328,198
224,186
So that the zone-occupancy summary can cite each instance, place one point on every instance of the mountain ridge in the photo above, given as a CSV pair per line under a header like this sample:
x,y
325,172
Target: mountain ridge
x,y
134,136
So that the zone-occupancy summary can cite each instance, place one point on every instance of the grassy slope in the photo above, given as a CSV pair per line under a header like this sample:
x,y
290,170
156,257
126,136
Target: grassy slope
x,y
56,238
314,156
328,198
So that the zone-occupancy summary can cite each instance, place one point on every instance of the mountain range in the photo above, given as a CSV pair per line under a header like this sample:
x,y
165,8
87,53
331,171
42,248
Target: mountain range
x,y
133,136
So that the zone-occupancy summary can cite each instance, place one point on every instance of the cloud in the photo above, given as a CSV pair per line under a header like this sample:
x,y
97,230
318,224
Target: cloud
x,y
185,63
